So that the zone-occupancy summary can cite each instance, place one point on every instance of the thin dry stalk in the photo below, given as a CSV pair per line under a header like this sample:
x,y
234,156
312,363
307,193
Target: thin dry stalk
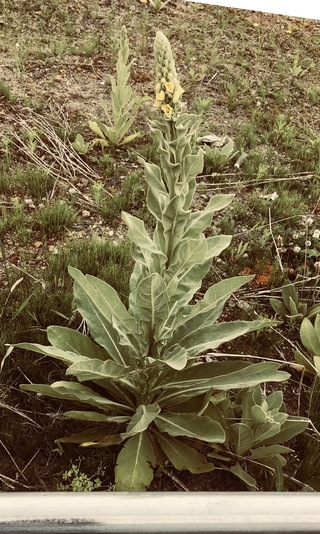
x,y
13,460
275,243
175,479
54,155
18,412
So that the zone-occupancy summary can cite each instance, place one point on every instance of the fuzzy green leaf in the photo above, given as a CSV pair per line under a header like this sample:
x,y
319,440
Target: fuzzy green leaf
x,y
301,359
211,337
209,309
151,303
177,358
85,436
96,417
259,416
98,311
71,340
275,400
271,450
309,337
97,370
289,291
183,456
76,392
191,426
145,250
200,220
141,420
292,427
199,378
95,128
241,437
278,307
63,355
133,471
238,471
217,244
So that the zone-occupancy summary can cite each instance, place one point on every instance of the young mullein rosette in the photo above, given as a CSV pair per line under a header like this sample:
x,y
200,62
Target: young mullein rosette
x,y
137,379
168,89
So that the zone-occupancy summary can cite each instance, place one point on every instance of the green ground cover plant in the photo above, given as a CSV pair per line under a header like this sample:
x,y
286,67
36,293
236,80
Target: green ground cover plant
x,y
253,80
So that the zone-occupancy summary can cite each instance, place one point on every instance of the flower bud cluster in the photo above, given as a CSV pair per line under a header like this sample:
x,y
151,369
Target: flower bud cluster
x,y
168,89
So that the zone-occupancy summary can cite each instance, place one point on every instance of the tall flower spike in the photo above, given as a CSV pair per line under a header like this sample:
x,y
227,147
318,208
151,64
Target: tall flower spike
x,y
168,89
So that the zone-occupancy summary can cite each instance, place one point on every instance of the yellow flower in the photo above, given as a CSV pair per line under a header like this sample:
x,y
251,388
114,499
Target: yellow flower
x,y
177,94
160,96
169,87
167,110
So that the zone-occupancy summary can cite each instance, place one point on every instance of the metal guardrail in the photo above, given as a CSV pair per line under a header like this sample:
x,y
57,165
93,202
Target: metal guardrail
x,y
159,513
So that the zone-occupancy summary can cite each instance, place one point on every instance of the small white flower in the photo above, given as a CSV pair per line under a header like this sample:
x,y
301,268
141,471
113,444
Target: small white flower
x,y
308,243
296,249
316,234
309,221
317,266
295,236
279,241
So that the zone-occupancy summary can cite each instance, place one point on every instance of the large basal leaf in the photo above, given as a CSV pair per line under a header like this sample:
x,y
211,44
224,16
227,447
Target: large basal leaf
x,y
141,420
71,340
190,382
211,337
95,369
63,355
183,456
96,417
86,435
133,471
96,312
209,308
191,426
110,304
118,311
76,392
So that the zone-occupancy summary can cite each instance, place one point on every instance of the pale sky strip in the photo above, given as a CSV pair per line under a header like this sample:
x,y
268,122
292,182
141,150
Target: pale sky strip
x,y
307,9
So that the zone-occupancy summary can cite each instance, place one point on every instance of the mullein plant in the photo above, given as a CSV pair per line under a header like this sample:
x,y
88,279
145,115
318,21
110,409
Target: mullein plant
x,y
138,381
124,103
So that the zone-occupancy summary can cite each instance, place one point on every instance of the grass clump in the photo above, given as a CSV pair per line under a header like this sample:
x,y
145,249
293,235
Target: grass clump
x,y
55,218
